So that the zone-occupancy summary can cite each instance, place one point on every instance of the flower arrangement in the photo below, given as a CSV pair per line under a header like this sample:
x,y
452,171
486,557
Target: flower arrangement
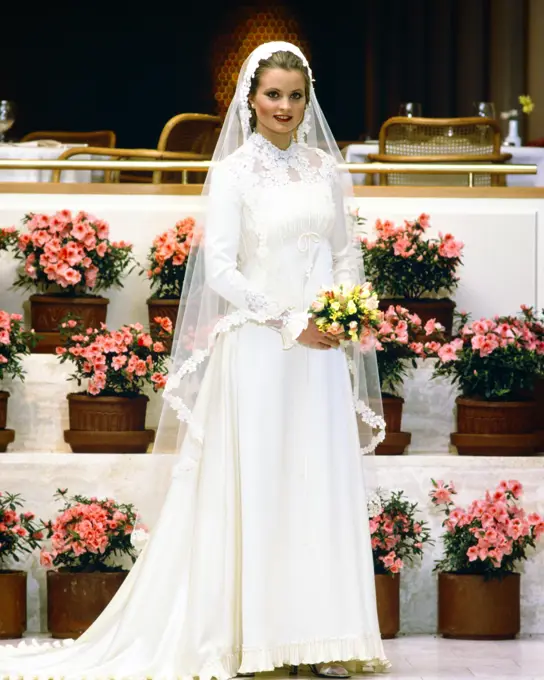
x,y
397,537
8,237
348,312
494,359
398,344
70,253
19,534
90,534
167,258
14,344
117,362
527,106
488,537
402,264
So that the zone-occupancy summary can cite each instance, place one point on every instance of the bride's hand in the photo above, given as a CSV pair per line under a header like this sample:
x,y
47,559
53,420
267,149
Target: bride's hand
x,y
314,338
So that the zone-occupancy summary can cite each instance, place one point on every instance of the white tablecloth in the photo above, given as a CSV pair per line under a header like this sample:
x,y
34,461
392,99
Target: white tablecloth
x,y
523,155
31,151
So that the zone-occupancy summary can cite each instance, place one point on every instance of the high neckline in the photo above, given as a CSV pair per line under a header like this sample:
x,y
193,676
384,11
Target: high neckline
x,y
261,142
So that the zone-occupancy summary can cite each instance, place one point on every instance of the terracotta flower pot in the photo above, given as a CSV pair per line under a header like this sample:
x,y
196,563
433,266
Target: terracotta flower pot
x,y
107,424
6,436
539,398
471,608
12,604
388,601
494,428
395,441
426,308
76,600
47,312
162,307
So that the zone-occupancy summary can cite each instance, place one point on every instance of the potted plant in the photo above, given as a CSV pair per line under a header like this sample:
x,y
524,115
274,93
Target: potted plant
x,y
412,271
8,237
19,536
116,366
494,363
89,539
68,259
478,589
166,267
397,538
14,344
398,346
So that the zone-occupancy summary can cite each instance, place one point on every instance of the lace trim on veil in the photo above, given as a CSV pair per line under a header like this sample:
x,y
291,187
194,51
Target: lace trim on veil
x,y
225,325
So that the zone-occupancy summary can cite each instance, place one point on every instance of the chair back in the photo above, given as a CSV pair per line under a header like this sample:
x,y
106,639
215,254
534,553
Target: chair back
x,y
102,138
440,140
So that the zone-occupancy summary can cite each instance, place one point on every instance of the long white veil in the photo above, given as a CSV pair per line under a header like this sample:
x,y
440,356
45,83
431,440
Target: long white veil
x,y
204,315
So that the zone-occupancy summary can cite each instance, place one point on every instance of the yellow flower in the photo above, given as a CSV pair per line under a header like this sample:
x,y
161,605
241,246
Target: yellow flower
x,y
321,321
335,306
351,307
527,103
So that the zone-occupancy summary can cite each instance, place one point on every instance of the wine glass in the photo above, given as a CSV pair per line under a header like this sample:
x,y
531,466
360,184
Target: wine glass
x,y
7,117
485,109
410,109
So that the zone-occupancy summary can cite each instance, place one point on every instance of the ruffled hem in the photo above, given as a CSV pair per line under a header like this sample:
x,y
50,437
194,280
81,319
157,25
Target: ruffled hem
x,y
357,654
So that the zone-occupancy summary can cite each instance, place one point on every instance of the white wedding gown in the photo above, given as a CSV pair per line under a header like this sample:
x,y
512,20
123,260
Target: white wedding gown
x,y
261,555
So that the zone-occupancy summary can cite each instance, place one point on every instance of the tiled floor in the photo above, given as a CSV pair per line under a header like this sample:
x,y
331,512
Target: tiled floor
x,y
425,657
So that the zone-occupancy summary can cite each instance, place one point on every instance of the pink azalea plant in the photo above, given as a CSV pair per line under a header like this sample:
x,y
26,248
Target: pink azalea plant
x,y
71,253
397,536
89,534
8,237
19,533
401,338
488,537
15,343
119,362
167,258
401,263
494,359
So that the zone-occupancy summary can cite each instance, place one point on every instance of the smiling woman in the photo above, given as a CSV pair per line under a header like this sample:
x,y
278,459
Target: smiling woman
x,y
278,97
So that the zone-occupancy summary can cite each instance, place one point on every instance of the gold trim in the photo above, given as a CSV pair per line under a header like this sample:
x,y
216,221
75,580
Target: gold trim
x,y
360,191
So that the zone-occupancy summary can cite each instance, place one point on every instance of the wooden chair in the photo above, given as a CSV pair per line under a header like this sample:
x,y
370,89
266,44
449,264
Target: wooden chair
x,y
440,140
102,138
190,133
127,154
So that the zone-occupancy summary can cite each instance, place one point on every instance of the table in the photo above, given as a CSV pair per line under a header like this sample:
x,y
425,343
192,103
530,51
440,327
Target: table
x,y
523,155
32,151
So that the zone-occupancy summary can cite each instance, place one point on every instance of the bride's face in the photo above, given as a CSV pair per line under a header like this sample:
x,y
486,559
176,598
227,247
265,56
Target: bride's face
x,y
279,104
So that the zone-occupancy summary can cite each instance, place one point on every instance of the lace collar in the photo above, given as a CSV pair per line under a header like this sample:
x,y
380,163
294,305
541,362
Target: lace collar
x,y
270,151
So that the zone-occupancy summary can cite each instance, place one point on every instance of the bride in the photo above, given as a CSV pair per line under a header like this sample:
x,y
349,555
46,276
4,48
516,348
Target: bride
x,y
261,556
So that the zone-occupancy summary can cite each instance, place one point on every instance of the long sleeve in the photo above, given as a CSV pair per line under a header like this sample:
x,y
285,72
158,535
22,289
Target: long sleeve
x,y
221,249
222,242
345,253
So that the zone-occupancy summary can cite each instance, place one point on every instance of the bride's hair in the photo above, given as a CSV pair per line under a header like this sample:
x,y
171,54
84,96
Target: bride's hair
x,y
281,59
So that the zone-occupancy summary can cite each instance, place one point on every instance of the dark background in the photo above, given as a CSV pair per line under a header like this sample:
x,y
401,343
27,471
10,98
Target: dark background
x,y
130,68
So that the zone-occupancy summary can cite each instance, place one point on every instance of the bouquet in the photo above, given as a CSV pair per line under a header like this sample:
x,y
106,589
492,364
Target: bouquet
x,y
8,237
398,344
167,258
19,534
14,344
117,362
345,311
72,253
402,264
397,537
491,535
90,534
495,359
